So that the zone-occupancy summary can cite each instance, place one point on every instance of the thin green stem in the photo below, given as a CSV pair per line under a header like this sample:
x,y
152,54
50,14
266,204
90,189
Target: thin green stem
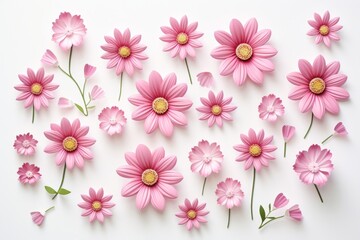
x,y
317,189
311,122
62,182
49,209
121,82
263,224
33,114
284,149
228,223
187,67
83,88
70,56
327,138
203,187
252,195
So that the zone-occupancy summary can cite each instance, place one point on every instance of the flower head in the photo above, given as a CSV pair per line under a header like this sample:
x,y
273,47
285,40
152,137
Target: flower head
x,y
37,217
25,144
229,193
243,52
294,212
96,205
152,177
280,201
192,214
65,103
205,79
271,108
28,173
96,93
112,120
340,129
49,59
288,132
89,71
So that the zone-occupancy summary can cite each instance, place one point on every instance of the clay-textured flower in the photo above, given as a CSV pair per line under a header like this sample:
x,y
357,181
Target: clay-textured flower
x,y
161,103
112,120
28,173
324,28
339,129
280,201
244,52
152,177
294,212
89,71
192,214
205,79
25,144
271,108
288,132
216,109
96,205
96,93
49,59
68,30
38,217
65,103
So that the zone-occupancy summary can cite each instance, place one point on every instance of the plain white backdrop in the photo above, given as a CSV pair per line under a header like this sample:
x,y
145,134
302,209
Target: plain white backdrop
x,y
26,34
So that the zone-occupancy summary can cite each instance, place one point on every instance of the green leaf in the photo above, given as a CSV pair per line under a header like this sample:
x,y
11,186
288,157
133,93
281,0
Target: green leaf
x,y
91,107
63,191
262,213
79,107
50,190
271,218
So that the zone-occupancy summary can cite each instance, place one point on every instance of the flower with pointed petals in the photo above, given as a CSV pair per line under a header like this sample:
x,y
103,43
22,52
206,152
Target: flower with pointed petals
x,y
49,59
280,201
65,103
25,144
28,173
271,108
205,79
192,214
89,71
112,120
97,93
294,212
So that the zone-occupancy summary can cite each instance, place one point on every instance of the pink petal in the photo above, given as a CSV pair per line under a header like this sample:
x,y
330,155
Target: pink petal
x,y
143,197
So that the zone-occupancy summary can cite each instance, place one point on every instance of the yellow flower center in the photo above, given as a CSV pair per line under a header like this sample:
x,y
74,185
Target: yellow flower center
x,y
191,214
96,206
216,110
244,51
70,144
36,89
317,86
324,30
160,105
255,150
182,38
124,52
149,177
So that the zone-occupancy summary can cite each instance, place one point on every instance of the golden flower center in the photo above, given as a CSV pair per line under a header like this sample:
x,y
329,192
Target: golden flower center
x,y
182,38
36,89
149,177
324,30
160,105
317,86
191,214
96,206
216,110
244,51
255,150
124,52
70,144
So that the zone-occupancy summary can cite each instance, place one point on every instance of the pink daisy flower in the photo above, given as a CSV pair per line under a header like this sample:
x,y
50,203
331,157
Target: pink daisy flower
x,y
288,132
324,28
243,52
339,129
192,214
294,212
152,177
161,103
28,173
68,30
112,120
216,109
280,201
38,217
205,79
96,205
271,108
36,89
25,144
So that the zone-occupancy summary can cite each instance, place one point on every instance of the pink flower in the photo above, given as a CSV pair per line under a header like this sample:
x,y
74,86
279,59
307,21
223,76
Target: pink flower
x,y
288,132
65,103
340,129
25,144
37,217
324,28
295,213
28,173
49,59
243,52
161,103
97,93
216,109
192,214
271,108
68,30
229,193
280,201
205,79
112,120
318,87
70,143
96,205
151,177
89,71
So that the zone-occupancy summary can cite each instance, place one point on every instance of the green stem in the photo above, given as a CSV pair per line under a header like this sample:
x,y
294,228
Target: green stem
x,y
262,225
70,56
327,138
252,195
228,223
284,149
121,82
83,89
62,182
49,209
203,187
187,67
311,122
33,114
317,189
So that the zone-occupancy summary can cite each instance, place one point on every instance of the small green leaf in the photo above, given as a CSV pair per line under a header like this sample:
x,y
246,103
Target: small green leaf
x,y
262,213
269,207
91,107
63,191
79,107
50,190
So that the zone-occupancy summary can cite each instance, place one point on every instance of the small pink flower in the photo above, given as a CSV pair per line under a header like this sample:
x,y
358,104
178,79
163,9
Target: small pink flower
x,y
97,93
96,205
205,79
288,132
340,129
28,173
229,193
324,28
37,217
280,201
294,212
89,71
49,59
65,103
25,144
68,30
271,108
192,214
112,120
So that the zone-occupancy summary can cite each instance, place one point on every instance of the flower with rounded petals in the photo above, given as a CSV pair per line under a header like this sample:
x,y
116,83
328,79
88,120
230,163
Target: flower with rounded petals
x,y
161,103
205,79
339,129
96,205
38,217
89,71
96,93
28,173
280,201
25,144
271,108
192,214
152,177
65,103
49,59
68,30
294,212
112,120
244,52
324,28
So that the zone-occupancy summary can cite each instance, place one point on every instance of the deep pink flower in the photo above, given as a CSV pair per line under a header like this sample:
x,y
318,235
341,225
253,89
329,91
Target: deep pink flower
x,y
288,132
294,212
216,109
192,214
49,59
271,108
229,193
96,93
318,87
65,103
324,28
340,129
70,143
89,71
243,52
205,79
25,144
112,120
96,205
280,201
68,30
160,103
37,217
151,177
28,173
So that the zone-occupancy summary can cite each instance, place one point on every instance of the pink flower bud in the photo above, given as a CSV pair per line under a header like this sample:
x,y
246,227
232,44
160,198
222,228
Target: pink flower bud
x,y
340,129
96,92
89,71
49,59
37,218
295,213
65,103
288,132
205,79
280,201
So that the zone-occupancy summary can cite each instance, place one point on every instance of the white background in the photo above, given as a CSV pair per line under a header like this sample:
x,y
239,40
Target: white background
x,y
26,34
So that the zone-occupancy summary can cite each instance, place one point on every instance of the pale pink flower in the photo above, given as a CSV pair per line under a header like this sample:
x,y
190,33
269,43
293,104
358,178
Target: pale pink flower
x,y
192,214
288,132
161,103
243,52
216,109
205,79
25,144
294,212
280,201
37,217
324,28
318,87
340,129
97,93
112,120
28,173
89,71
70,143
271,108
65,103
96,205
49,59
152,177
68,30
229,193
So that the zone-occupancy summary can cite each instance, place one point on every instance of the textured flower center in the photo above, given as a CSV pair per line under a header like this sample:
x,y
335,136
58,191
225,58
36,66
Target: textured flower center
x,y
216,110
207,159
69,33
255,150
182,38
112,121
124,52
244,51
324,30
313,167
191,214
149,177
270,109
96,206
26,143
70,144
29,174
36,89
229,194
160,105
317,86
